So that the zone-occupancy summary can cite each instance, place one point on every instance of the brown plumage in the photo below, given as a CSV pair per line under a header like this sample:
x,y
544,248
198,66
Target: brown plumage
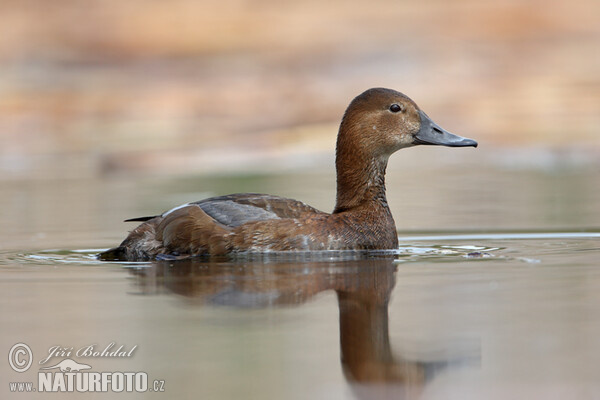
x,y
376,124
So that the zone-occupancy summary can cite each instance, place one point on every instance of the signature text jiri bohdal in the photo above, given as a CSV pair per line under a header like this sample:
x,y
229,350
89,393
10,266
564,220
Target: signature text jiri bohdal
x,y
92,350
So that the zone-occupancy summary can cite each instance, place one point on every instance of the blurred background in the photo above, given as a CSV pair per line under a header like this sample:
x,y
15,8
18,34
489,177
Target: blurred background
x,y
147,89
113,109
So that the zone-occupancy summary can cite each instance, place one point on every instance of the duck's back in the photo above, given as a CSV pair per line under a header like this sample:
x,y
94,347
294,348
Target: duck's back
x,y
237,209
147,240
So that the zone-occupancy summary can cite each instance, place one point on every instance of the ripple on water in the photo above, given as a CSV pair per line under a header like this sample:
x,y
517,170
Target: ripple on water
x,y
402,254
56,257
412,249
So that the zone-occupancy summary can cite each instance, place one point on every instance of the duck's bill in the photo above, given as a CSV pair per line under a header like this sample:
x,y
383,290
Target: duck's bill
x,y
430,133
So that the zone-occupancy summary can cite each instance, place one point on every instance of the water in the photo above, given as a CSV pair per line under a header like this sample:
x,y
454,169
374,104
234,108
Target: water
x,y
493,293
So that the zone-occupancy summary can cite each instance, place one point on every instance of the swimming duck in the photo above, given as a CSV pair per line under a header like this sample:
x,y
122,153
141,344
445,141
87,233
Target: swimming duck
x,y
376,124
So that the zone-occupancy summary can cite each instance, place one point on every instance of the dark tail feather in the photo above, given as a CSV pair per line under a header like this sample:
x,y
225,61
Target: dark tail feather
x,y
114,254
140,219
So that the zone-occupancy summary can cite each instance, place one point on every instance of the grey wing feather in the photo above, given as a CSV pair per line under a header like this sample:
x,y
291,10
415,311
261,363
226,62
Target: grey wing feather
x,y
237,209
233,214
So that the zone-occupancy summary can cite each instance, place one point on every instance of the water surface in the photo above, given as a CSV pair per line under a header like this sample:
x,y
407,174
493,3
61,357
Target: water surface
x,y
482,299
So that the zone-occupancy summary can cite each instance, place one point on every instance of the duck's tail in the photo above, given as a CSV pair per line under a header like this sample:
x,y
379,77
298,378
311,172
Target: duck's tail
x,y
140,245
182,233
115,254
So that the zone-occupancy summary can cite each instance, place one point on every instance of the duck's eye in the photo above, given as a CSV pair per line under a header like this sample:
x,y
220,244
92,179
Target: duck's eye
x,y
395,108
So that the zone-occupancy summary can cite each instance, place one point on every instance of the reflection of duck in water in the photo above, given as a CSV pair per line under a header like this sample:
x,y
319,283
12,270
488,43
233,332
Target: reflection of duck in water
x,y
363,288
376,124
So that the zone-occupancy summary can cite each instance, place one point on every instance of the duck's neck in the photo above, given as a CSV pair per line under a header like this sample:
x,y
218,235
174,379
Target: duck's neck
x,y
360,179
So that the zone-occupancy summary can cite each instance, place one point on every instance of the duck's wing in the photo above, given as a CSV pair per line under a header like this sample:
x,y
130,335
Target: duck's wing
x,y
236,209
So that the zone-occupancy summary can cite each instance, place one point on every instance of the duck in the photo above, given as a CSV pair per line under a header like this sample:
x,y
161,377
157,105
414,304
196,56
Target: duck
x,y
376,124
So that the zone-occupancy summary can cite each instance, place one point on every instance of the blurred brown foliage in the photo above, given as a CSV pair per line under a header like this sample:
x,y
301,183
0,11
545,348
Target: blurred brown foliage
x,y
147,82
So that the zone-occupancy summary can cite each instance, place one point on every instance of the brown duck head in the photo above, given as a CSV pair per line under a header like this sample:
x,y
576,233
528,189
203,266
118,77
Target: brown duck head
x,y
376,124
